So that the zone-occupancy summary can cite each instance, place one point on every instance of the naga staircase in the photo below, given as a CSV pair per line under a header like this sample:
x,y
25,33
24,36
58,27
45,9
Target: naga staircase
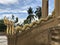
x,y
46,31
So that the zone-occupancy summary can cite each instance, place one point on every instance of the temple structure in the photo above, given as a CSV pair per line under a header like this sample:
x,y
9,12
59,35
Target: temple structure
x,y
46,31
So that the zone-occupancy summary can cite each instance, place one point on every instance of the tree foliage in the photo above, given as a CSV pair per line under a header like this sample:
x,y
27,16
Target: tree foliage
x,y
30,11
13,17
26,21
38,12
2,26
16,20
30,15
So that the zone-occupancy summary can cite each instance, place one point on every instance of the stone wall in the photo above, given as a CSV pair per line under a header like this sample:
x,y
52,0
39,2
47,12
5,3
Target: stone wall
x,y
12,40
33,37
38,35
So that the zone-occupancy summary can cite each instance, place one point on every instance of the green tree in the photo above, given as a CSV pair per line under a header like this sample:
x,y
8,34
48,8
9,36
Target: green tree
x,y
30,15
13,17
16,20
38,12
2,26
25,21
29,18
30,11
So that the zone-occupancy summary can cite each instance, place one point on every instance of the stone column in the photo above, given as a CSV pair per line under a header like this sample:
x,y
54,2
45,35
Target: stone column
x,y
44,8
12,29
7,29
57,7
10,32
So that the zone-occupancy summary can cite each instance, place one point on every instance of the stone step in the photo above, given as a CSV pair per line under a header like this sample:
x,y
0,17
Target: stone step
x,y
55,43
55,29
55,32
56,37
56,40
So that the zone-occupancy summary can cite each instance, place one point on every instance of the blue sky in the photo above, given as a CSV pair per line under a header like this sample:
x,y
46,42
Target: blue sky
x,y
19,7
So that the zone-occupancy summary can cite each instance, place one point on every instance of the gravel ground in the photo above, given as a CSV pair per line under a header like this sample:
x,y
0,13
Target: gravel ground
x,y
3,40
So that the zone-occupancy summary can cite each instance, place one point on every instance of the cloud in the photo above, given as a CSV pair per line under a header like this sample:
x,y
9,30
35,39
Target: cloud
x,y
8,1
21,7
16,11
7,15
50,14
20,21
39,0
31,5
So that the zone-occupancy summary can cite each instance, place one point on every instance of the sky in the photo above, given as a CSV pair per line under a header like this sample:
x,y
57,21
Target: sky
x,y
19,7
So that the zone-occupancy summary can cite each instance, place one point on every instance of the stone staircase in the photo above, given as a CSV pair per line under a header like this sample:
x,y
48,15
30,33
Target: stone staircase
x,y
55,36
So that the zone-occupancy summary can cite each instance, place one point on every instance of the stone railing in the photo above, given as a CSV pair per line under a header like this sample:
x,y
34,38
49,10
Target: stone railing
x,y
36,34
34,24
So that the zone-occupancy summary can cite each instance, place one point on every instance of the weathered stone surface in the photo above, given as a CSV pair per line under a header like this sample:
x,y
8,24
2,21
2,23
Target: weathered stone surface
x,y
57,7
44,8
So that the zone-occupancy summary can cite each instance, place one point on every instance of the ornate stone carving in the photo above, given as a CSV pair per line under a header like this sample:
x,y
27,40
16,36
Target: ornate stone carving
x,y
10,25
